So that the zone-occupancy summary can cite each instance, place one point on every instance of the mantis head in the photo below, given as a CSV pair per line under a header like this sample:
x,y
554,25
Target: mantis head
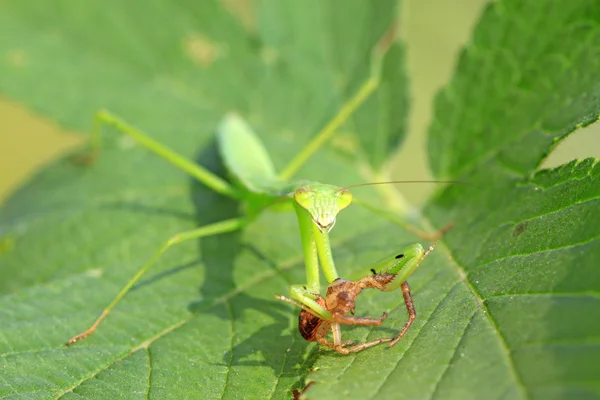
x,y
323,202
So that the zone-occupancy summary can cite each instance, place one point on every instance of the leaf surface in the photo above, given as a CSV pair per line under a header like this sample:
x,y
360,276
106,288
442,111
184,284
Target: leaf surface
x,y
505,303
510,314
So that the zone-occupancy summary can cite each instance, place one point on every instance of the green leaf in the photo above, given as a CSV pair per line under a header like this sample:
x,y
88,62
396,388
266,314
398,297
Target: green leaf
x,y
505,304
204,322
511,311
519,90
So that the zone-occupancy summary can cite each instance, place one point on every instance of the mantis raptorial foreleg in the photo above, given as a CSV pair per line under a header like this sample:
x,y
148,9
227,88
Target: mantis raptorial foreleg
x,y
315,322
328,313
410,259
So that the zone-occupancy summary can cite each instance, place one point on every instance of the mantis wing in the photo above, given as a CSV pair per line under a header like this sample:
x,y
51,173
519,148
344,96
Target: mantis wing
x,y
245,156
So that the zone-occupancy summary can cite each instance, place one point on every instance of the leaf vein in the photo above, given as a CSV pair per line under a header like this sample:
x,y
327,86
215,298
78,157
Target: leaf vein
x,y
149,372
229,364
454,354
385,380
492,322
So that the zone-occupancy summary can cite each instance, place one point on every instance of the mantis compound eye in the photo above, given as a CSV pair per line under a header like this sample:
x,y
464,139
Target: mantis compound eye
x,y
304,198
344,199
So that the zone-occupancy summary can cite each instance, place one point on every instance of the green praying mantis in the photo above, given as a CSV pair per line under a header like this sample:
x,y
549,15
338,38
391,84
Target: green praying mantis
x,y
256,185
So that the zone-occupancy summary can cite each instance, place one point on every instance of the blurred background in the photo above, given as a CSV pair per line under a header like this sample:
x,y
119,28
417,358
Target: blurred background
x,y
434,31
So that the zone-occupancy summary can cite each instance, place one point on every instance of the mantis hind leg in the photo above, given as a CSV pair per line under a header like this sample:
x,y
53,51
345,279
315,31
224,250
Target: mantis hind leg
x,y
228,225
106,118
366,89
363,93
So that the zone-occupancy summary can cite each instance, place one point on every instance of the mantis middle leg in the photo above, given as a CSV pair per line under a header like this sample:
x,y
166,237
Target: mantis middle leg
x,y
228,225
